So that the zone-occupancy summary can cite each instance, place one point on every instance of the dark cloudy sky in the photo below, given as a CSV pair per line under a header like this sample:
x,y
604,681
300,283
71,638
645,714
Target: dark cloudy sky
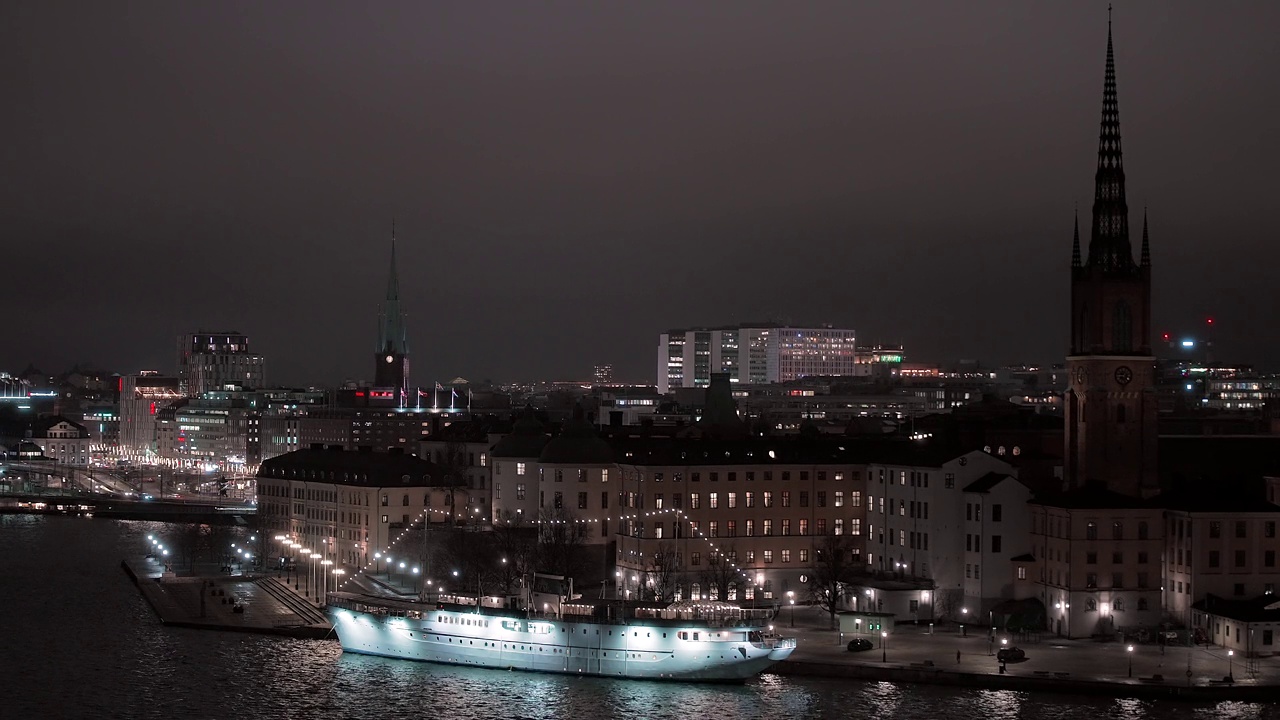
x,y
569,179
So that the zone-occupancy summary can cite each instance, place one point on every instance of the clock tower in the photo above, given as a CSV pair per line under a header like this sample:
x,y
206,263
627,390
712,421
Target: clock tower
x,y
1110,401
391,360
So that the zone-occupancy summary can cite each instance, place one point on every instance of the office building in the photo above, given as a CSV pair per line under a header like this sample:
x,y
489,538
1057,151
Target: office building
x,y
756,353
212,360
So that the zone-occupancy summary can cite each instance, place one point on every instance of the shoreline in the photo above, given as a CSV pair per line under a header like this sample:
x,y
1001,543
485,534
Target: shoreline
x,y
1167,690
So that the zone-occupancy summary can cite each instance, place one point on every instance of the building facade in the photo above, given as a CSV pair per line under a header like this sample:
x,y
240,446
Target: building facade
x,y
212,360
758,353
348,505
142,396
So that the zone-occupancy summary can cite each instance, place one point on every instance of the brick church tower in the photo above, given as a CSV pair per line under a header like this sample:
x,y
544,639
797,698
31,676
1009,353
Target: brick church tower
x,y
1110,401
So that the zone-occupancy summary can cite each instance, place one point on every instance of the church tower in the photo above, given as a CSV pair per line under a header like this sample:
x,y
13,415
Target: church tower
x,y
391,361
1110,402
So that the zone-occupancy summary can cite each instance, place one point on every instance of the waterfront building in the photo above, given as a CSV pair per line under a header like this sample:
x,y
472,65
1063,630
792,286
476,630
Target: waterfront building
x,y
753,353
212,360
63,441
349,505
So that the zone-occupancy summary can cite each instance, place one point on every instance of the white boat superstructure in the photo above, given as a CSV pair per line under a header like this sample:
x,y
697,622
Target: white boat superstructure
x,y
686,641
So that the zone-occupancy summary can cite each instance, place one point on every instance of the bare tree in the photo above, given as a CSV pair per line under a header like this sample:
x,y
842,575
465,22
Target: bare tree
x,y
659,573
833,569
515,542
719,574
560,542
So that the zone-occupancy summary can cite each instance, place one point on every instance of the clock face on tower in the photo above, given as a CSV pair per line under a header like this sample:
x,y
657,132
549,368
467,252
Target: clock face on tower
x,y
390,359
1082,375
1123,375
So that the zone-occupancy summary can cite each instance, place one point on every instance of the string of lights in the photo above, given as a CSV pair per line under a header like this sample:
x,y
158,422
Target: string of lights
x,y
692,525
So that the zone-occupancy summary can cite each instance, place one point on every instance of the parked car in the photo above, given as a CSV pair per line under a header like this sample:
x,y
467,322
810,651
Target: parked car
x,y
1011,654
859,645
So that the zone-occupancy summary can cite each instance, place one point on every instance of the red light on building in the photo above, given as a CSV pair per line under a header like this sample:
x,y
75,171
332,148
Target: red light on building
x,y
359,393
153,408
1209,321
1166,337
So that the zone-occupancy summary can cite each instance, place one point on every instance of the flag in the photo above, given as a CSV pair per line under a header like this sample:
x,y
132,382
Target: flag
x,y
439,386
455,392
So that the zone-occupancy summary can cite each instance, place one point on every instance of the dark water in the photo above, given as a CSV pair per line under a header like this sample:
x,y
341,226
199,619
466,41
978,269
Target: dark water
x,y
78,640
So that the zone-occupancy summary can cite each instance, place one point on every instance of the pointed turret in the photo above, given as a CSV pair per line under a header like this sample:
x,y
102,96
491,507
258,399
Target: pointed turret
x,y
1075,242
1109,240
1146,241
392,357
392,335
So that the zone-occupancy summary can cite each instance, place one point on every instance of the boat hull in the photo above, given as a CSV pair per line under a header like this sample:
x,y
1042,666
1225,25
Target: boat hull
x,y
635,650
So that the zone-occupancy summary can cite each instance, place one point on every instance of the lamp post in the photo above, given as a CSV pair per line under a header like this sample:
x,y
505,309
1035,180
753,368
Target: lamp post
x,y
326,563
884,646
964,613
1129,652
1231,666
991,633
314,558
791,599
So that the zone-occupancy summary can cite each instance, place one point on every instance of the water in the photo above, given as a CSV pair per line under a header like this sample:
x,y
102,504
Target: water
x,y
79,641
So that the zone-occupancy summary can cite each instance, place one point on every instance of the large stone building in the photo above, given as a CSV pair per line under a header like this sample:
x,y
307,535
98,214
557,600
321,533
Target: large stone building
x,y
348,505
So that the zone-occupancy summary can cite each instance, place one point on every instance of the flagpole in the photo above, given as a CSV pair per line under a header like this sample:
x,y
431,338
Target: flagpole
x,y
468,401
435,396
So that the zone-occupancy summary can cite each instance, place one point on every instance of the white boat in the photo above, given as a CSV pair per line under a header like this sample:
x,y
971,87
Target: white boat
x,y
690,641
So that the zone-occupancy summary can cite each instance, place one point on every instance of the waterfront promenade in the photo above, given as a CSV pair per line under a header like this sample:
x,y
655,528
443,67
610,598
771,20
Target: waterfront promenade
x,y
912,654
213,600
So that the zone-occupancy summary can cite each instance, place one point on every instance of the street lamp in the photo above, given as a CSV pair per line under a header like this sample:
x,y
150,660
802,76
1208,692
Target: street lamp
x,y
791,598
991,632
326,563
884,646
964,613
1129,650
1230,666
314,558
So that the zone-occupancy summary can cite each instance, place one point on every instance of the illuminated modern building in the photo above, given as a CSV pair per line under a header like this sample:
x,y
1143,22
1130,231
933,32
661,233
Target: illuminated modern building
x,y
211,360
141,397
753,353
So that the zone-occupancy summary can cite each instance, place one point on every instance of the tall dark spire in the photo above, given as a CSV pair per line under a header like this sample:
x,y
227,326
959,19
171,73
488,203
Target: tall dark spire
x,y
392,335
1146,241
1109,240
1075,241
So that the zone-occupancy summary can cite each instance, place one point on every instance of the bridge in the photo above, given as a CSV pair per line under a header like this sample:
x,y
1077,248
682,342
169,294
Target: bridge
x,y
43,486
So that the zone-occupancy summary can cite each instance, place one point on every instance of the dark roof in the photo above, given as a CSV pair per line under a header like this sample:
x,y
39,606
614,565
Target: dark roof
x,y
577,443
365,468
44,424
1264,608
1024,557
1224,499
1093,496
526,439
986,482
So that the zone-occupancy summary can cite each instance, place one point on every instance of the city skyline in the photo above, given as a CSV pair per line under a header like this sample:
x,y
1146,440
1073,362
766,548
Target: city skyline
x,y
927,164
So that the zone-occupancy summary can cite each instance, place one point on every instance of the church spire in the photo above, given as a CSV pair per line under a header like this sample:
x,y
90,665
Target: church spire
x,y
1075,241
1146,241
1109,240
392,337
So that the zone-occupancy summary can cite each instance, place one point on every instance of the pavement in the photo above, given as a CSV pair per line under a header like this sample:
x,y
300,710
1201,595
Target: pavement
x,y
208,598
910,646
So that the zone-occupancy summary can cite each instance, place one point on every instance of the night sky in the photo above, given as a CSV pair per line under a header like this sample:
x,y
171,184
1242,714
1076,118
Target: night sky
x,y
570,179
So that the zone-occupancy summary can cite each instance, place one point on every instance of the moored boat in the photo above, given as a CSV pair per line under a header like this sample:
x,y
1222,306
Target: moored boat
x,y
692,641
